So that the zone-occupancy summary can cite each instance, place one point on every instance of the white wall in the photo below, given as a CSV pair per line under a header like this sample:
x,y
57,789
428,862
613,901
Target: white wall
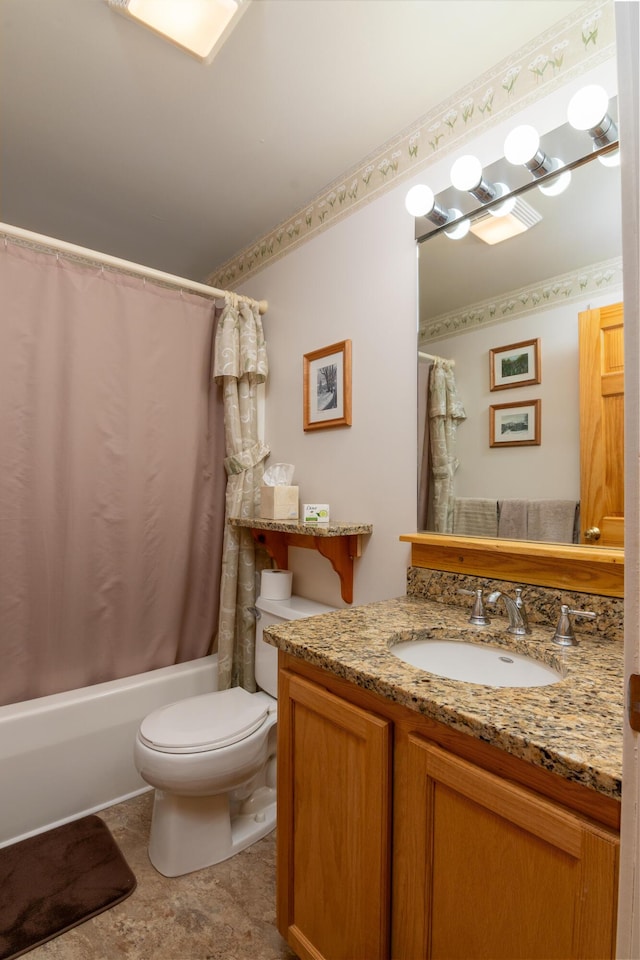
x,y
357,280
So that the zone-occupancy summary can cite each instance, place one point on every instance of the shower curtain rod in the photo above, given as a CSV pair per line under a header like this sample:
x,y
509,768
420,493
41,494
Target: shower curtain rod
x,y
83,254
433,356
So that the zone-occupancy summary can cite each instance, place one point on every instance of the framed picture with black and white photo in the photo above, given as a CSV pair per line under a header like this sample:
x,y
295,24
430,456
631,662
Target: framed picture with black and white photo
x,y
515,424
327,387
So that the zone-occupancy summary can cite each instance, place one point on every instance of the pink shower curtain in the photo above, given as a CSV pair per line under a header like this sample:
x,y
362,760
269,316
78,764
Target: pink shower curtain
x,y
111,475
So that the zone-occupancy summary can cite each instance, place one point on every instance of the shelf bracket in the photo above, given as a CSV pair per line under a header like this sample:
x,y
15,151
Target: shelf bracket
x,y
339,550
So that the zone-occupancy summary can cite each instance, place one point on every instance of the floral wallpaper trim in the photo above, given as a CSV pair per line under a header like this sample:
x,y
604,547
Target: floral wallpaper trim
x,y
575,45
565,288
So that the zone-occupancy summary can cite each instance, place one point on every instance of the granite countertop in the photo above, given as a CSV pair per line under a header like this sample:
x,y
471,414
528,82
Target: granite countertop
x,y
572,727
335,528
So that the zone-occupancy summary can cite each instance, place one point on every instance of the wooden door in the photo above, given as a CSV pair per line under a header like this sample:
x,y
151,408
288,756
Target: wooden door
x,y
499,871
334,825
601,338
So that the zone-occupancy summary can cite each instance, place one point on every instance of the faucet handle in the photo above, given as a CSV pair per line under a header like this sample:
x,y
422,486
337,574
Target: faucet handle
x,y
478,615
564,634
521,607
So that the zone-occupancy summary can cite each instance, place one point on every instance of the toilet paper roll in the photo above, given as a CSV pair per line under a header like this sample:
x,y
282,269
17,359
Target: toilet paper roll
x,y
276,584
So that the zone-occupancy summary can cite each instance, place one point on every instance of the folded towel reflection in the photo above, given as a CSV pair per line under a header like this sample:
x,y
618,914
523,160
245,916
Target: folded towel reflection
x,y
475,517
512,519
553,521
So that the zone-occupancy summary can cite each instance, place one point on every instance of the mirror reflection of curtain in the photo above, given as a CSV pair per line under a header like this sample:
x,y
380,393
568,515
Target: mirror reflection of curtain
x,y
240,364
445,412
425,492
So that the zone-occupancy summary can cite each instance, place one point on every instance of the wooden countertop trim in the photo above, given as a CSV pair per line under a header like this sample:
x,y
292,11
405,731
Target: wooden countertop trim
x,y
570,566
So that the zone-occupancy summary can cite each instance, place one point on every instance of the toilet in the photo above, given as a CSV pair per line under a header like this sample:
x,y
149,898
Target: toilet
x,y
212,761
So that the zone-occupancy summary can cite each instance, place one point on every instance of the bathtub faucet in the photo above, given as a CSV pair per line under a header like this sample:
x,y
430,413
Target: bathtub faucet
x,y
518,622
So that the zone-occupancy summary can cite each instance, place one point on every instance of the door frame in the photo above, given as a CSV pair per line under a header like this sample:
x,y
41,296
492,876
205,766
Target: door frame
x,y
627,44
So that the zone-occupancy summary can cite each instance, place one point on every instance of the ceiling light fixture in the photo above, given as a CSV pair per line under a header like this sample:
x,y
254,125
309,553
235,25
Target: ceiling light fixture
x,y
420,201
522,148
496,229
199,27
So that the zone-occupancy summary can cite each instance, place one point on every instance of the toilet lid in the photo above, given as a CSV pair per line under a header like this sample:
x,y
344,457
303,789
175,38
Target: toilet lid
x,y
207,722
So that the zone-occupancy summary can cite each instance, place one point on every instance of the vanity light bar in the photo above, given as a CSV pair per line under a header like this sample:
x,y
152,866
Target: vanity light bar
x,y
588,111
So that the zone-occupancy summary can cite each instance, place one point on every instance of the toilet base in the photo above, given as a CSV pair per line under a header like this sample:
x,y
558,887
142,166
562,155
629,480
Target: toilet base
x,y
190,833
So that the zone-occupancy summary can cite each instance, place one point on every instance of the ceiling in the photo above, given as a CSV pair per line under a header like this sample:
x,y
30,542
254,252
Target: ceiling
x,y
117,141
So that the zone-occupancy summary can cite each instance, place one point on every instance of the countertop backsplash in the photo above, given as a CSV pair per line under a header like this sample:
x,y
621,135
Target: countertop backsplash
x,y
542,603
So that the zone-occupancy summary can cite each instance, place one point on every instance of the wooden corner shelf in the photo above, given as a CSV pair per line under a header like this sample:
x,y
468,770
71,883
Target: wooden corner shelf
x,y
339,542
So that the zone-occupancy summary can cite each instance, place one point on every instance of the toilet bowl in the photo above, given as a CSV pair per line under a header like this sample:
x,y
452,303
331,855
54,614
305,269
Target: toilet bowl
x,y
212,761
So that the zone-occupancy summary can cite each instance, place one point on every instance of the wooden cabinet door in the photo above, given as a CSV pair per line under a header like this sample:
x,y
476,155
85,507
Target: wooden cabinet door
x,y
498,871
334,824
601,335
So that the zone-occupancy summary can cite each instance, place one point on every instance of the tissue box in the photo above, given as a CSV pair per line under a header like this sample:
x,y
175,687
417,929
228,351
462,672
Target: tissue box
x,y
279,503
315,513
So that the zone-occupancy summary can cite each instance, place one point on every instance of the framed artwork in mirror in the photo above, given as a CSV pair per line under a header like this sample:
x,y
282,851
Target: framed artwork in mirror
x,y
327,387
515,424
515,365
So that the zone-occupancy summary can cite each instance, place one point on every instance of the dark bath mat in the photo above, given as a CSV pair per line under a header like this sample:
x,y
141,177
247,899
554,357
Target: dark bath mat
x,y
54,881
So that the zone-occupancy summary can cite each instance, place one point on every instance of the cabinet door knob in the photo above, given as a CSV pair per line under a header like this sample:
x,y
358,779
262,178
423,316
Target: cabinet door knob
x,y
592,534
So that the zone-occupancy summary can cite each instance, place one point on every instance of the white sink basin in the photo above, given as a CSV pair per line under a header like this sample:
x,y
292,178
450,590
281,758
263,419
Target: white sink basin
x,y
476,663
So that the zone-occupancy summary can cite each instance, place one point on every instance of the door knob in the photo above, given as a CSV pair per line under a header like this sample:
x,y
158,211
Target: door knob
x,y
592,534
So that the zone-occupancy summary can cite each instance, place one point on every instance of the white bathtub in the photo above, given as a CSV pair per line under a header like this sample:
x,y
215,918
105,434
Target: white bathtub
x,y
70,754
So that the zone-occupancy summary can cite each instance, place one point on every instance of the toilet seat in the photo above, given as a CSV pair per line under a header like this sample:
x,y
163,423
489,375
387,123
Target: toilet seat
x,y
207,722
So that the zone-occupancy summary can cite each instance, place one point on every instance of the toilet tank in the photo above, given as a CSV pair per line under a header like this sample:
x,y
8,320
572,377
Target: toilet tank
x,y
272,612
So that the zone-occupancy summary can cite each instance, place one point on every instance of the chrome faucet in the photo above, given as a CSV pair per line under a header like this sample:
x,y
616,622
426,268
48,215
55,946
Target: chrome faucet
x,y
518,621
564,634
478,615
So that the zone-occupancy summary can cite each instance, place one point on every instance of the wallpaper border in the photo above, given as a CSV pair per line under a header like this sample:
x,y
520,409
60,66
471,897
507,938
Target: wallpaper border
x,y
564,288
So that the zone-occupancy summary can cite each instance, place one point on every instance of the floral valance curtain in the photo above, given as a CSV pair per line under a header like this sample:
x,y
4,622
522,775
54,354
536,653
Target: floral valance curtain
x,y
240,364
445,413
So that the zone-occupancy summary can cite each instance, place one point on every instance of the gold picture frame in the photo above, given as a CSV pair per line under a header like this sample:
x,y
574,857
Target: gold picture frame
x,y
327,387
515,365
515,424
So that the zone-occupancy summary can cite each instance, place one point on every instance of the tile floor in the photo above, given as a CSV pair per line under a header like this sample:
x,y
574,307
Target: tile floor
x,y
226,912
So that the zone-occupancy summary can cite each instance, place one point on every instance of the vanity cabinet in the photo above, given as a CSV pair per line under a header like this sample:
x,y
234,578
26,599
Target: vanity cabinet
x,y
334,824
401,838
492,869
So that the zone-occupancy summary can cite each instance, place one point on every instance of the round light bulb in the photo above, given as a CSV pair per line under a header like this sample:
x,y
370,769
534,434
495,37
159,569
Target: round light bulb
x,y
522,144
587,107
466,173
420,200
556,185
502,209
461,229
611,159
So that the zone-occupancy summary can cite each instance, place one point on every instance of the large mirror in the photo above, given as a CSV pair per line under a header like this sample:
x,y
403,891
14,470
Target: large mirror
x,y
487,308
